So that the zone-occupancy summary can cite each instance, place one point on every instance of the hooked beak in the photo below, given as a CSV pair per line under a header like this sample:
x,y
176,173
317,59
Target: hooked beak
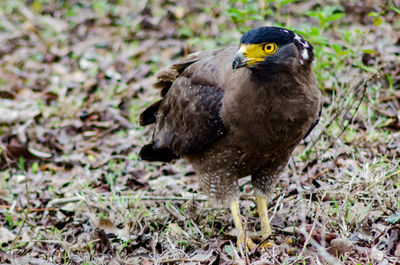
x,y
239,61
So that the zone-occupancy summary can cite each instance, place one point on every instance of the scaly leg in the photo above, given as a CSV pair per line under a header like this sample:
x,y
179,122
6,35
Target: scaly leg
x,y
262,208
243,242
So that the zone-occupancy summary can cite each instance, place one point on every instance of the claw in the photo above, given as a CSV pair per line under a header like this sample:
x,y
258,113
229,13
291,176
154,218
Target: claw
x,y
263,213
263,246
262,208
245,244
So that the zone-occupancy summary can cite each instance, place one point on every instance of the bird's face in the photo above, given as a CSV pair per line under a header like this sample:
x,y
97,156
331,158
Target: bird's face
x,y
269,46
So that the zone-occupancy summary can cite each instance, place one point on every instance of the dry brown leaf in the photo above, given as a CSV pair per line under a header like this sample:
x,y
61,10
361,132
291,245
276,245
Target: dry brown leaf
x,y
6,235
340,246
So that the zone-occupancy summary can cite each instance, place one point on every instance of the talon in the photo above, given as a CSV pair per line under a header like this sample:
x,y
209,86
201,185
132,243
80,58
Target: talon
x,y
265,227
264,245
245,246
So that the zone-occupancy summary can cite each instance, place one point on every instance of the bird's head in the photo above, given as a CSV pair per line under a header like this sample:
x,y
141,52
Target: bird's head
x,y
272,46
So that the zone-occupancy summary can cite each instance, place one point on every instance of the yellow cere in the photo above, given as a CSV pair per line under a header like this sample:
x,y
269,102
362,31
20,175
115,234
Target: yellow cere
x,y
257,52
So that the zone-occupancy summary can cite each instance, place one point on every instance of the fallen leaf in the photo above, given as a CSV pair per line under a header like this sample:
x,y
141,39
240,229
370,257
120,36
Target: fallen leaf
x,y
377,254
7,94
339,246
107,225
393,123
12,151
397,251
176,231
38,153
202,256
393,219
11,113
6,235
393,247
103,245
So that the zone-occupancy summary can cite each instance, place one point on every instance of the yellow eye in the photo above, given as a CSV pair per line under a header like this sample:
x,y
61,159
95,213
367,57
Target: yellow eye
x,y
270,48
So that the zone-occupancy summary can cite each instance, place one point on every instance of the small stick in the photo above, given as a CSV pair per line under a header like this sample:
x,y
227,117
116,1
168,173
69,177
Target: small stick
x,y
383,179
145,198
311,231
26,214
64,200
320,174
181,260
150,198
29,209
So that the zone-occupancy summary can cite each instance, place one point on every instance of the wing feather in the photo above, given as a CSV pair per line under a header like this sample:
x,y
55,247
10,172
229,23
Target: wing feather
x,y
188,117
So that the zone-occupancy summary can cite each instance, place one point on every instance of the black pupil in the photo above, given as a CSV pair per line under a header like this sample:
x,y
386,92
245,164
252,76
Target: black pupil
x,y
269,47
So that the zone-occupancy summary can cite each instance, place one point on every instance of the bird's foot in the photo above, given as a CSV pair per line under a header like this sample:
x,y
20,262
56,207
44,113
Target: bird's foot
x,y
245,244
265,227
265,244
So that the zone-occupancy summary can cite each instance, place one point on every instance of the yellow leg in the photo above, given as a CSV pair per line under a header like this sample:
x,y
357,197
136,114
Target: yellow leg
x,y
243,242
262,208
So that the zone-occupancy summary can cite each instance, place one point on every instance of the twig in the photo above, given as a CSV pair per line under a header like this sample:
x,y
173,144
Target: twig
x,y
320,173
145,198
31,210
171,251
47,241
310,233
173,198
333,117
175,260
377,238
277,204
26,212
309,239
355,111
383,179
177,213
64,200
273,256
322,251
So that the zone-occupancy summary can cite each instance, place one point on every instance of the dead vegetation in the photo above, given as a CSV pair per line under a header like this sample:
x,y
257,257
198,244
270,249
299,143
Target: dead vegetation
x,y
73,78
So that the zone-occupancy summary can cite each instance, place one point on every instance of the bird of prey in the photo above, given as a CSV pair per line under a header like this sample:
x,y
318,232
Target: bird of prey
x,y
234,112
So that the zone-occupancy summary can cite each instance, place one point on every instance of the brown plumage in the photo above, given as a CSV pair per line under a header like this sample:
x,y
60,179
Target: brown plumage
x,y
236,112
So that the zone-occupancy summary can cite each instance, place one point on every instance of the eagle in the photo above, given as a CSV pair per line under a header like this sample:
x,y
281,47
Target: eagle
x,y
235,112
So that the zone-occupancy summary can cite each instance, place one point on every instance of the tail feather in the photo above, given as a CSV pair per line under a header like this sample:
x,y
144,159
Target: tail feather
x,y
163,154
148,116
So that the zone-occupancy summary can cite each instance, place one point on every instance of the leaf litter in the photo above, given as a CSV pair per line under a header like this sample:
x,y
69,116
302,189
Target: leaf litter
x,y
75,75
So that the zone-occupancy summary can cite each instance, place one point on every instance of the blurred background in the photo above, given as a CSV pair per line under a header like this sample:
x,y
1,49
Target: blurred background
x,y
75,75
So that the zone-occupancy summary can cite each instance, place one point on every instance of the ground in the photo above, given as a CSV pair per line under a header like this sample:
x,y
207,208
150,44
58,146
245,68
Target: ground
x,y
74,76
